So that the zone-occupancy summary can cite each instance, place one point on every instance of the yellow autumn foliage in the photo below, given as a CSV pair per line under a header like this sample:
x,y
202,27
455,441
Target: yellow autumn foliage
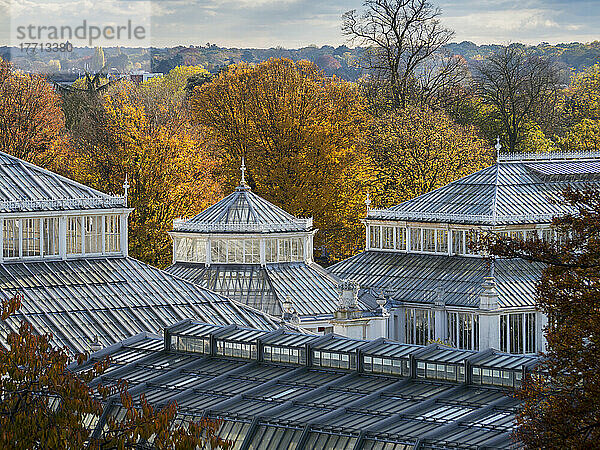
x,y
301,134
414,151
168,166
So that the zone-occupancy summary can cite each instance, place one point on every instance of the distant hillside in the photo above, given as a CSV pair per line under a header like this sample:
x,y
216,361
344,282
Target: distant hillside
x,y
341,61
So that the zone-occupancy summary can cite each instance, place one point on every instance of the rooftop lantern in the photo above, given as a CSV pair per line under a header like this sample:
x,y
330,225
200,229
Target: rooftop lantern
x,y
243,228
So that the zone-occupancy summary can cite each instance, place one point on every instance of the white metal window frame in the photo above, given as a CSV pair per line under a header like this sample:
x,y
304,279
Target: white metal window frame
x,y
525,337
445,240
60,246
463,326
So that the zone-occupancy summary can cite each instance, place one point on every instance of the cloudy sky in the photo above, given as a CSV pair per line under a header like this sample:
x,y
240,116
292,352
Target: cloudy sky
x,y
296,23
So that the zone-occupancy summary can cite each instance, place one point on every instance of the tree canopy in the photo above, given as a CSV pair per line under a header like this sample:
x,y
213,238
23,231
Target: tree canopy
x,y
301,135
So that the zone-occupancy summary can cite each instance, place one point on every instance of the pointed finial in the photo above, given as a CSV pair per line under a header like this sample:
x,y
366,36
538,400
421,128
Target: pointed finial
x,y
126,188
368,202
243,169
498,147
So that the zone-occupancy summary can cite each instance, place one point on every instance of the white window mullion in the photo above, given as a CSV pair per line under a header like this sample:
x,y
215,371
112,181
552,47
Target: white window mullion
x,y
1,240
208,252
42,253
19,222
83,227
525,332
103,234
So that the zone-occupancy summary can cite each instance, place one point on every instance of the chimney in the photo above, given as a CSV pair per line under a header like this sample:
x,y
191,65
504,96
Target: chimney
x,y
349,294
488,299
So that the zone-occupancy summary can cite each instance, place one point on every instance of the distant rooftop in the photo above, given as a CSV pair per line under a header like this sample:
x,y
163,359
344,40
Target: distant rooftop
x,y
26,187
520,188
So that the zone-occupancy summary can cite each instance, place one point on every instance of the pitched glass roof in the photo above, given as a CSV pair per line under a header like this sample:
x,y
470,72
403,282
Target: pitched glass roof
x,y
508,192
26,187
243,211
312,291
308,405
110,299
416,278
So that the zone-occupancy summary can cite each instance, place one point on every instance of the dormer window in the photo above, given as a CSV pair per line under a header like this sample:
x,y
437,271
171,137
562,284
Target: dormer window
x,y
45,215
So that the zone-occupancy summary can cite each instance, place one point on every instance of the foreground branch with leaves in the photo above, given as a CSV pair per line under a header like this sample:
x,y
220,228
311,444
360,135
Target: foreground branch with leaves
x,y
562,409
43,405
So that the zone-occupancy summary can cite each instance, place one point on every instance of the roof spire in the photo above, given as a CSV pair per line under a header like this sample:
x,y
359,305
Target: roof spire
x,y
126,188
498,147
368,202
243,169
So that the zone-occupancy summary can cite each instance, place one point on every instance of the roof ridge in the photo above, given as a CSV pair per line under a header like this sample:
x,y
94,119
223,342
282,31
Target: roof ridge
x,y
495,196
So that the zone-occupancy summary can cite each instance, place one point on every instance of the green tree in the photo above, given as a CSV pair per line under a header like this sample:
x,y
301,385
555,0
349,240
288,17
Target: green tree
x,y
416,150
582,110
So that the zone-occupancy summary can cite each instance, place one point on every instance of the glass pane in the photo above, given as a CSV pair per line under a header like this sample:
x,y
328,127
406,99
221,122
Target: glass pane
x,y
74,229
51,236
441,241
400,238
31,237
112,233
11,238
415,239
388,237
458,241
93,234
428,240
375,236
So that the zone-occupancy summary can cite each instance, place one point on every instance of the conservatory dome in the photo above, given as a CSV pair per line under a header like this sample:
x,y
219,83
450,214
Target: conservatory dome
x,y
243,228
252,251
243,211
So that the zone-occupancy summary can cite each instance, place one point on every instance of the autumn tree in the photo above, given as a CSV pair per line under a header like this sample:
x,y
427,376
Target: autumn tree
x,y
44,405
521,89
300,133
414,151
562,407
31,120
400,37
144,133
